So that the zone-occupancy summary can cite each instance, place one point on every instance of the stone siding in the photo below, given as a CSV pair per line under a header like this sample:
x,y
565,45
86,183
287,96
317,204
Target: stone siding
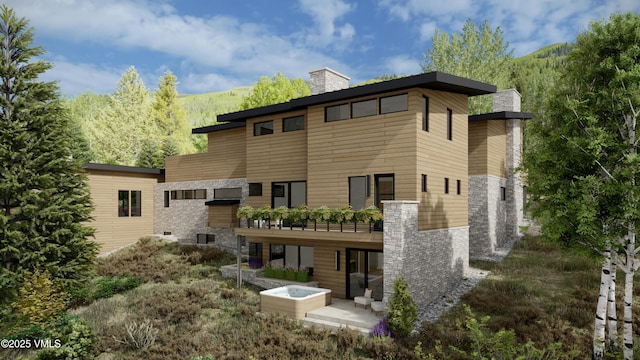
x,y
184,219
431,261
487,214
326,80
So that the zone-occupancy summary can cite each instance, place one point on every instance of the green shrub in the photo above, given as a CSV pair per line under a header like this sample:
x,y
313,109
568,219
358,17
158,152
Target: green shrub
x,y
76,339
403,312
40,302
108,286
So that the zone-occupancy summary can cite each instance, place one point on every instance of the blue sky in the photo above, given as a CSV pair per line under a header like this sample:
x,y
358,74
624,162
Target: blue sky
x,y
215,45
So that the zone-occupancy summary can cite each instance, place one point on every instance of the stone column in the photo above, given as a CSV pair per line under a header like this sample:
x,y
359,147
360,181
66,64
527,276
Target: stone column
x,y
400,226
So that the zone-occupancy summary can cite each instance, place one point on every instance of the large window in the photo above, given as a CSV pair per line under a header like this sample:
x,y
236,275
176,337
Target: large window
x,y
425,113
358,191
255,255
364,108
290,194
276,254
394,103
293,123
384,188
336,112
129,203
263,128
298,256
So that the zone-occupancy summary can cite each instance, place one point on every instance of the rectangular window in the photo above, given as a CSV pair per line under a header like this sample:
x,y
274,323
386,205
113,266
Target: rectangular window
x,y
391,104
424,182
227,193
263,128
425,113
136,203
188,194
255,189
293,123
364,108
446,185
255,255
385,189
276,254
166,199
503,193
129,203
123,203
358,191
336,112
449,124
290,194
458,187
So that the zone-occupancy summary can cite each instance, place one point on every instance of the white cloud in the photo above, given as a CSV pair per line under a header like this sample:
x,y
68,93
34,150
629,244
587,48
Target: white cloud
x,y
427,30
402,65
75,79
325,14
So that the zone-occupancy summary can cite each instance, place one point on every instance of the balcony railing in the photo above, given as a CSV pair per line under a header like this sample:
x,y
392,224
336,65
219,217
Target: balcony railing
x,y
344,219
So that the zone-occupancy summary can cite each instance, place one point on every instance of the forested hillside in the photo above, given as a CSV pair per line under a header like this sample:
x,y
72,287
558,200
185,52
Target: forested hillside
x,y
145,113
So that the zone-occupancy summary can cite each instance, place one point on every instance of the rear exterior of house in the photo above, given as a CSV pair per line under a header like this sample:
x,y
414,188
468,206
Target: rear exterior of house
x,y
402,145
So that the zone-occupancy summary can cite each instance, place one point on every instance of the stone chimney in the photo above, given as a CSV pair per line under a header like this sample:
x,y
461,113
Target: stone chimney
x,y
506,100
325,80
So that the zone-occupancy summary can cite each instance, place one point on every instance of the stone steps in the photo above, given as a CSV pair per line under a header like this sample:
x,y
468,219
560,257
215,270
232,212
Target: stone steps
x,y
333,326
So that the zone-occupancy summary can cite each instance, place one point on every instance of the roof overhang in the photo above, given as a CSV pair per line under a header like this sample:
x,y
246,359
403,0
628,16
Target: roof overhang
x,y
218,127
121,168
222,202
501,115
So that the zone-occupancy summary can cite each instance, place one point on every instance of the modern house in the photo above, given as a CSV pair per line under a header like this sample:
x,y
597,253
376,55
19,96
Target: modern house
x,y
445,181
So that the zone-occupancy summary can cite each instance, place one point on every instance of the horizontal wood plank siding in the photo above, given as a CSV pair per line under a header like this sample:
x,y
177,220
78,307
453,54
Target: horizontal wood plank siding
x,y
487,148
440,158
112,231
478,148
277,157
223,216
225,159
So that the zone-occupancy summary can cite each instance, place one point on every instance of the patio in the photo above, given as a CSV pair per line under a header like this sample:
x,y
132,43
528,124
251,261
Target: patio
x,y
342,313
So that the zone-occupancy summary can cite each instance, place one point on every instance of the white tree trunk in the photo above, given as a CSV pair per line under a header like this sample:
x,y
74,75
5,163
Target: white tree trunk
x,y
601,309
629,272
612,318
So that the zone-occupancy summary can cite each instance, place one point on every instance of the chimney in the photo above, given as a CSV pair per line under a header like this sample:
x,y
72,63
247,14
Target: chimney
x,y
325,80
506,100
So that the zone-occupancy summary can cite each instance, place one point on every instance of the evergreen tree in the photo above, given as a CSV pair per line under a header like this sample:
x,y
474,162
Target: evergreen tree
x,y
170,118
478,53
118,131
276,90
403,312
151,156
84,111
44,197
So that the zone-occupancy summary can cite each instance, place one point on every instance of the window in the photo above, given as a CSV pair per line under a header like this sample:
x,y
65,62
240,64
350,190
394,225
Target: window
x,y
227,193
446,185
336,112
187,194
364,108
293,123
129,203
276,254
255,189
449,124
263,128
425,113
424,182
255,255
384,188
166,199
503,193
395,103
458,185
358,191
290,194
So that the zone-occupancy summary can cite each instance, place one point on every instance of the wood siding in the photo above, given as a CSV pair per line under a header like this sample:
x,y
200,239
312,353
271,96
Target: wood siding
x,y
112,231
277,157
225,159
487,148
223,216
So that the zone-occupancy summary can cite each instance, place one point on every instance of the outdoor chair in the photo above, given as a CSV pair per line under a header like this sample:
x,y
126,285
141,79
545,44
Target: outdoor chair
x,y
365,300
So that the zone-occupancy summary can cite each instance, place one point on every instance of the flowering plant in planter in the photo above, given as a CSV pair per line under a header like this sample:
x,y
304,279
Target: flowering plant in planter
x,y
280,213
290,273
263,213
278,271
302,275
344,214
245,212
370,215
320,214
299,214
268,271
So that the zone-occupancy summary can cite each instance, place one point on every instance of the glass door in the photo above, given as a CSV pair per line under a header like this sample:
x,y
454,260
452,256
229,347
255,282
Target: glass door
x,y
365,271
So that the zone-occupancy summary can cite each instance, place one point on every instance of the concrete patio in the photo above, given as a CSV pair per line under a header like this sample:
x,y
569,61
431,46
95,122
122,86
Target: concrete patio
x,y
342,313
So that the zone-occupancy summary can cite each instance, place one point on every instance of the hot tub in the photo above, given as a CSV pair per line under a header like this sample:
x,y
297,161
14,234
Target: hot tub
x,y
293,300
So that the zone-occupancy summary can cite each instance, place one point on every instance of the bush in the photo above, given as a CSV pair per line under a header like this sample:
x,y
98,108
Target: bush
x,y
403,312
140,335
40,302
77,341
108,286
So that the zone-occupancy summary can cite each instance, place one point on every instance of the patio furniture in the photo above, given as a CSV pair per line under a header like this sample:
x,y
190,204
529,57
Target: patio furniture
x,y
365,300
378,307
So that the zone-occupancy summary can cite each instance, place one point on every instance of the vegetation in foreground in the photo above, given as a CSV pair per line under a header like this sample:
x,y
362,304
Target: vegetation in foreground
x,y
171,302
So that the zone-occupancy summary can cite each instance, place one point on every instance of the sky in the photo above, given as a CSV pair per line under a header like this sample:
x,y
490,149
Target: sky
x,y
217,45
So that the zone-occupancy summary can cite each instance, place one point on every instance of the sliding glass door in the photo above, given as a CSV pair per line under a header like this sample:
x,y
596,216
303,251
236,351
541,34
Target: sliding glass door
x,y
365,271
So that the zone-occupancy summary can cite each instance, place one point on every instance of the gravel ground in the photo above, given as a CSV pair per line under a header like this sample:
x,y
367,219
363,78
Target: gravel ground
x,y
472,277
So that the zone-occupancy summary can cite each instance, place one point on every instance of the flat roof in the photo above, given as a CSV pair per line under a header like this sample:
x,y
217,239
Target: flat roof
x,y
217,127
434,80
501,115
122,168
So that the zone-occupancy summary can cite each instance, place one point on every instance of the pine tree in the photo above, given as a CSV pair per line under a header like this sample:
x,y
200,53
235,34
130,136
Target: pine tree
x,y
169,116
403,312
44,197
